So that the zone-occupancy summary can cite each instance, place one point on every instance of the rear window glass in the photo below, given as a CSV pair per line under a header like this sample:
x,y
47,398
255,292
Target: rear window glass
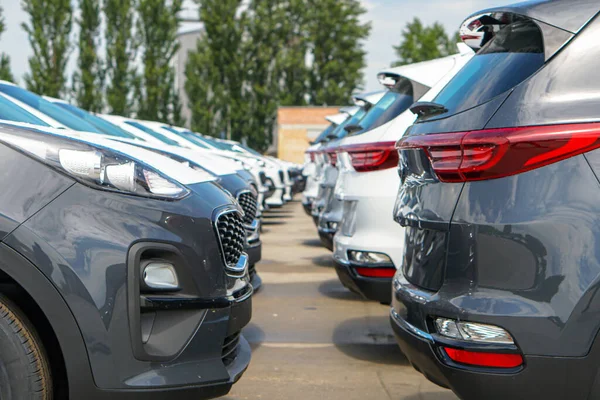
x,y
514,54
340,132
324,134
45,107
103,125
9,111
389,107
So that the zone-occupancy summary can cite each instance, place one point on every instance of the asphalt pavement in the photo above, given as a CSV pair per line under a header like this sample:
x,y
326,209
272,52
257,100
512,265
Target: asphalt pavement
x,y
312,338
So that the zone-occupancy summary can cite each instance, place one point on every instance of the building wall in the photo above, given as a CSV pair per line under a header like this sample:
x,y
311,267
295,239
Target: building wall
x,y
297,127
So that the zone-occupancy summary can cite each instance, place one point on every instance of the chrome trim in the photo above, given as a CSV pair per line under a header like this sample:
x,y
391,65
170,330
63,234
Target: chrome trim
x,y
234,269
254,226
410,328
241,268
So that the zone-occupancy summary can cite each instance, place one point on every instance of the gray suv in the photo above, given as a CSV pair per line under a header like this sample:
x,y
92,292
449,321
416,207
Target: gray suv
x,y
117,282
497,297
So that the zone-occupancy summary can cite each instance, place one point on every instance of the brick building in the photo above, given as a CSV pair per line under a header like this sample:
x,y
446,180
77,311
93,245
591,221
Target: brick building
x,y
296,128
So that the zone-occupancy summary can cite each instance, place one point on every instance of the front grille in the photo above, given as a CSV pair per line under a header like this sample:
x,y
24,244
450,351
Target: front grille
x,y
263,177
232,237
281,176
249,204
230,348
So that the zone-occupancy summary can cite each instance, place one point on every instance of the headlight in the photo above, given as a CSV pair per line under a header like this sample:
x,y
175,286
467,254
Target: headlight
x,y
95,166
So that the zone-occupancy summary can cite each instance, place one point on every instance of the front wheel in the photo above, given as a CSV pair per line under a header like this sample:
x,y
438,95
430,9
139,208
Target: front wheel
x,y
24,367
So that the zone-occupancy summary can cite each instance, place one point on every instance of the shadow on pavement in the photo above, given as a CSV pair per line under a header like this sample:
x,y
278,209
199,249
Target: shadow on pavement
x,y
335,290
312,243
369,339
254,335
323,261
268,222
274,216
446,395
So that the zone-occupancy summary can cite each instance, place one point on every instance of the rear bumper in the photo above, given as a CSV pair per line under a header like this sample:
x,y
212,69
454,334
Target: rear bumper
x,y
376,289
572,378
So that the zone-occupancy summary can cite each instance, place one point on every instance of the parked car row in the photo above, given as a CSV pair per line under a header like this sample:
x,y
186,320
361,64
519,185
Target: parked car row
x,y
128,253
467,198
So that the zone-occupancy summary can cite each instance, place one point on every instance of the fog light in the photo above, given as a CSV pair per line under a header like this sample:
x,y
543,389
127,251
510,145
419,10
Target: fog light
x,y
332,225
160,276
365,257
472,332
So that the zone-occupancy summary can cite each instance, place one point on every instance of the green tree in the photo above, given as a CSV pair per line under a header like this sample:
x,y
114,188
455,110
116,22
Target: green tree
x,y
215,71
5,73
336,40
422,43
120,54
48,30
157,34
87,80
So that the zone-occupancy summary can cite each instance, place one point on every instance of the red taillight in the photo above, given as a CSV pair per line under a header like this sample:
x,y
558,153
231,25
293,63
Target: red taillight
x,y
376,272
372,156
497,153
490,360
332,158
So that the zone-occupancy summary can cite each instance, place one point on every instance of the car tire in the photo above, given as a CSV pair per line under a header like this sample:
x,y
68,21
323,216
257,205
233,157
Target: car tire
x,y
24,366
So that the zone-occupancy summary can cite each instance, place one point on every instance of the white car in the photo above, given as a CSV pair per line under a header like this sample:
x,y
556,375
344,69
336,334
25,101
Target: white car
x,y
326,172
311,189
367,247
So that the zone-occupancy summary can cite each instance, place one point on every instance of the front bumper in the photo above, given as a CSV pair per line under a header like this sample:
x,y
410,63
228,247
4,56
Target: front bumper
x,y
307,203
276,200
376,289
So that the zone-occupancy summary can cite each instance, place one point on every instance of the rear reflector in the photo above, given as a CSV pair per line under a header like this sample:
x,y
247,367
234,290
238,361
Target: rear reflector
x,y
497,153
367,157
491,360
376,272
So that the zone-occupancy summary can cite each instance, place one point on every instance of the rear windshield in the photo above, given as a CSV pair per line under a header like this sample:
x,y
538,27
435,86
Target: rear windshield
x,y
324,134
103,125
45,107
152,133
340,132
514,54
9,111
389,107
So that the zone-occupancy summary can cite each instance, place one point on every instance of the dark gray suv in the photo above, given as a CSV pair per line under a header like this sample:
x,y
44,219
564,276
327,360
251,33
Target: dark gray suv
x,y
117,282
497,297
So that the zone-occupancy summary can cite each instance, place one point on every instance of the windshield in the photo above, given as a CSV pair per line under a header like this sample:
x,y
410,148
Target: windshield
x,y
251,151
389,107
45,107
100,123
214,143
187,135
152,133
513,55
9,111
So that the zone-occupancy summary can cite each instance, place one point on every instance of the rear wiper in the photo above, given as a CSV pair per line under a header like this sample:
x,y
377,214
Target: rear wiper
x,y
353,128
427,109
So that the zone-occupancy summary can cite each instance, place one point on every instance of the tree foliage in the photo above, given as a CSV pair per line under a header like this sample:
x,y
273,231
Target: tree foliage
x,y
48,30
5,73
336,35
120,55
423,43
272,52
215,71
88,78
157,36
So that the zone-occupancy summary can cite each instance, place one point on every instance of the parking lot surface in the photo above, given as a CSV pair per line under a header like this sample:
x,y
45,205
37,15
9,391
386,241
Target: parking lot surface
x,y
312,338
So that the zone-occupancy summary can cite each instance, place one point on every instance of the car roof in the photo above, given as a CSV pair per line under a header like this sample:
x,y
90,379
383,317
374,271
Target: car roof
x,y
371,97
569,15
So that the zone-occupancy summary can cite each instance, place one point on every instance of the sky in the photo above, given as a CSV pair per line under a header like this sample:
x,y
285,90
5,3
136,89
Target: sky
x,y
387,17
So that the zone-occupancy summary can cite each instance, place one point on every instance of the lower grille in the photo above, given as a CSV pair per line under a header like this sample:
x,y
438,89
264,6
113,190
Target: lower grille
x,y
249,204
263,177
232,237
281,176
230,348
